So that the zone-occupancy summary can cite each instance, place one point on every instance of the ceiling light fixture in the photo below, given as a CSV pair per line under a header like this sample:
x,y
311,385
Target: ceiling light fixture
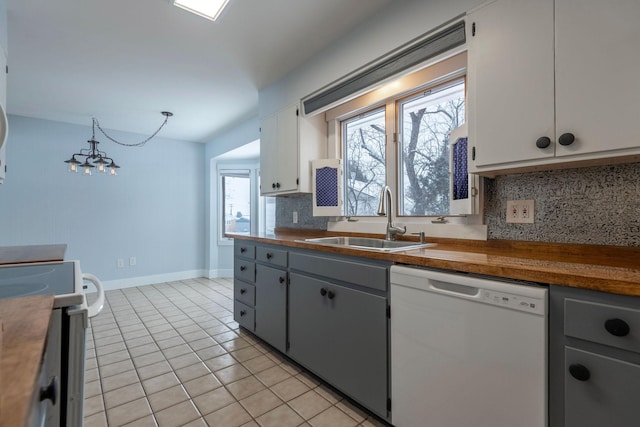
x,y
94,158
209,9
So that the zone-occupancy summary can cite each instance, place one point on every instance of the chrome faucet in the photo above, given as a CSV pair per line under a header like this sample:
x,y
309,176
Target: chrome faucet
x,y
392,230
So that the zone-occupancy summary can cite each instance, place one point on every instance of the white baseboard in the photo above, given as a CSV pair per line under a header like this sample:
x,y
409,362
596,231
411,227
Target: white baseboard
x,y
153,279
221,273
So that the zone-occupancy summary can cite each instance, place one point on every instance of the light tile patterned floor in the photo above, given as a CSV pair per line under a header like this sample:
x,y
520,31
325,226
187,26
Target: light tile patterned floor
x,y
171,355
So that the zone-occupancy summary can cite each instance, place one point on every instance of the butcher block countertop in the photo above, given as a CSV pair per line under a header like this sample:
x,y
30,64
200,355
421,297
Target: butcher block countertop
x,y
31,253
612,269
23,343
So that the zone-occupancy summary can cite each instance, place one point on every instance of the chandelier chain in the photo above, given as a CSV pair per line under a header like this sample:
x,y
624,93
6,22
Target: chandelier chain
x,y
138,144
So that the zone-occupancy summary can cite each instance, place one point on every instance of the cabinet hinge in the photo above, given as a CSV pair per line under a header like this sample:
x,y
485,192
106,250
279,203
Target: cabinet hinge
x,y
288,280
389,405
388,312
288,345
395,137
297,111
473,153
297,181
6,69
473,29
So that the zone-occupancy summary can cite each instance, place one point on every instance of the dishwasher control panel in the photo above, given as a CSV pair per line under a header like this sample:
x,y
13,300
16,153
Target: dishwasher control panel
x,y
516,302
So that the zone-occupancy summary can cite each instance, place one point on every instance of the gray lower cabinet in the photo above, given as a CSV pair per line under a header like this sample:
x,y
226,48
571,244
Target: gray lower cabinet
x,y
338,325
594,364
340,334
271,306
244,273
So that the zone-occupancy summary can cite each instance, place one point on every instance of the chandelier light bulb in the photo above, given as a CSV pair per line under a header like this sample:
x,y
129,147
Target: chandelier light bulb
x,y
73,167
87,170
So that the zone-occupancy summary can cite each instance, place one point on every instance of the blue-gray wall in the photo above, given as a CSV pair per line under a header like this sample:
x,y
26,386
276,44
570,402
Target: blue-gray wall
x,y
153,210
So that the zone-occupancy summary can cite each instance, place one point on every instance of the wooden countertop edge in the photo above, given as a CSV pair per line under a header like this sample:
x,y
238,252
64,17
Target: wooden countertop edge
x,y
23,345
609,269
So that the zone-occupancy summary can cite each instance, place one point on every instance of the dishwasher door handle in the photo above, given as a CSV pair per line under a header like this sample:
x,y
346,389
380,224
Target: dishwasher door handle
x,y
453,289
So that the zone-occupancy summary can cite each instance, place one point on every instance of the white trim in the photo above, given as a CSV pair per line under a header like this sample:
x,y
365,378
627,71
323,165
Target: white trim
x,y
153,279
226,273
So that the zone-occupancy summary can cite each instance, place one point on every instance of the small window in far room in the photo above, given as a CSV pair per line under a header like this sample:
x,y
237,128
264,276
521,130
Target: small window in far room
x,y
236,202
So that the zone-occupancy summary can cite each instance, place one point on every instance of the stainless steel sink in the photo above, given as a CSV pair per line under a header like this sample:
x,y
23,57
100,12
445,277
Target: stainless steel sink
x,y
368,243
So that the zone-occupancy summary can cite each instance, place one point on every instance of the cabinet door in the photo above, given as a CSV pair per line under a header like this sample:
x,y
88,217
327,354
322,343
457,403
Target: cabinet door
x,y
597,85
268,155
287,137
340,336
511,81
271,306
609,397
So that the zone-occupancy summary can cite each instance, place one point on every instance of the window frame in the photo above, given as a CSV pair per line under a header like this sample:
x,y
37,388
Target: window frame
x,y
432,76
241,170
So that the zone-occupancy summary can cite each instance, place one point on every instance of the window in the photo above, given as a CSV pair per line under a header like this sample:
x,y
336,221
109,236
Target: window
x,y
236,202
425,121
398,135
365,164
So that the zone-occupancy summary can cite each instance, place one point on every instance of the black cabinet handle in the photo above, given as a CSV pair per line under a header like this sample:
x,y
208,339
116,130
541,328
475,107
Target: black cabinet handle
x,y
281,279
323,291
566,139
243,291
579,372
269,255
50,391
242,312
273,185
243,267
617,327
277,185
543,142
331,294
243,250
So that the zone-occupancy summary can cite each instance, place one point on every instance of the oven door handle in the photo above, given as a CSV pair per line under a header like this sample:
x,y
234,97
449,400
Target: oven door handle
x,y
96,307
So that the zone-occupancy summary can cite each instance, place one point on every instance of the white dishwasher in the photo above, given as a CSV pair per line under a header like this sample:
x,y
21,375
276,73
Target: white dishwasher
x,y
467,351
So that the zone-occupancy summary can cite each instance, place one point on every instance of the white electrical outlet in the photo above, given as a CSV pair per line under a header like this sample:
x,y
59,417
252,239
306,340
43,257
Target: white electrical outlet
x,y
520,211
120,263
132,261
295,217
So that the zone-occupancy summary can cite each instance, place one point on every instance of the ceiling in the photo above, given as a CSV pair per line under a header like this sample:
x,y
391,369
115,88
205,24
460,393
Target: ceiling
x,y
125,61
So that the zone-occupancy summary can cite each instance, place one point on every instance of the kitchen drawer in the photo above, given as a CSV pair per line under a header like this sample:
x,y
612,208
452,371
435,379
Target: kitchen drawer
x,y
358,273
272,256
244,315
244,250
244,270
606,324
244,292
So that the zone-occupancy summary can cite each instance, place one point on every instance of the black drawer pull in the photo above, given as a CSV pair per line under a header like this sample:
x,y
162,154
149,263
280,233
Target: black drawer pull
x,y
243,267
281,279
579,372
243,250
243,291
273,185
269,255
277,185
543,142
617,327
242,312
566,139
50,391
323,291
331,294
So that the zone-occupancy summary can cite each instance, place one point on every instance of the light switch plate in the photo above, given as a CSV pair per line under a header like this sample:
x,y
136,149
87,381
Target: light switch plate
x,y
520,211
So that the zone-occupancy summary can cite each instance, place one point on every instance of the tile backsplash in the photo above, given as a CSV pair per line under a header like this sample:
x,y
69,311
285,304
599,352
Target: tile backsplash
x,y
595,205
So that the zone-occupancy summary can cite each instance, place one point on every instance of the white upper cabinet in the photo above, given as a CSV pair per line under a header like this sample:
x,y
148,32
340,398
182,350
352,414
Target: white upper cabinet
x,y
552,82
597,75
288,143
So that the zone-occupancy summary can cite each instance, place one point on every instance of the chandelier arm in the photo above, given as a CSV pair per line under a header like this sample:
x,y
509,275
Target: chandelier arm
x,y
138,144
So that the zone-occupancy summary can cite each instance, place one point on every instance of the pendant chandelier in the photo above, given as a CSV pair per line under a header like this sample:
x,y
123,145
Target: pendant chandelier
x,y
92,158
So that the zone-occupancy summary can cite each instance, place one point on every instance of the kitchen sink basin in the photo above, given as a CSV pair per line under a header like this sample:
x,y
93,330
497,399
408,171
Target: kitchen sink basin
x,y
368,243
